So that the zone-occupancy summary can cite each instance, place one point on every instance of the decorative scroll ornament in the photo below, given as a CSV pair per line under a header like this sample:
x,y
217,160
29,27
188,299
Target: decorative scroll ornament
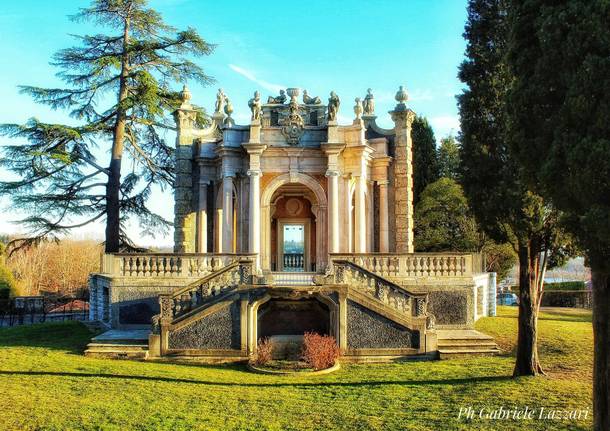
x,y
293,125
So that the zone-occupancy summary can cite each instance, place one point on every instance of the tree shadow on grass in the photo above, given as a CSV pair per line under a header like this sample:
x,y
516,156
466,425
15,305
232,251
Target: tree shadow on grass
x,y
453,381
70,337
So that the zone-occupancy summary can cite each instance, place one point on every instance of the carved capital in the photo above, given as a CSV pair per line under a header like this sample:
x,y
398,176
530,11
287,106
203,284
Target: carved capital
x,y
332,173
402,118
185,118
255,173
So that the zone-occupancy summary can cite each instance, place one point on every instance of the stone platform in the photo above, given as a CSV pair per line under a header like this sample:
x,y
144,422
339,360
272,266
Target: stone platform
x,y
119,344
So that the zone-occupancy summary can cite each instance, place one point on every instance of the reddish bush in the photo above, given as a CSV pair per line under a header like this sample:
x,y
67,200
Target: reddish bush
x,y
319,351
264,352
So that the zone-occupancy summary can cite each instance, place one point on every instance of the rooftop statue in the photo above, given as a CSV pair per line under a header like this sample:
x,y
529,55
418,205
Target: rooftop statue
x,y
369,103
333,106
308,100
279,99
220,100
255,106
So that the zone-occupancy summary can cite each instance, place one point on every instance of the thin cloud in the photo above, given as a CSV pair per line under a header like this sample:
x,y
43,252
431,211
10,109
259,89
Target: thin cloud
x,y
445,124
275,88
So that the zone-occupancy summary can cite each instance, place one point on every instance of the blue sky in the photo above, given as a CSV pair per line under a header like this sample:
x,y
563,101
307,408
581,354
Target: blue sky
x,y
345,46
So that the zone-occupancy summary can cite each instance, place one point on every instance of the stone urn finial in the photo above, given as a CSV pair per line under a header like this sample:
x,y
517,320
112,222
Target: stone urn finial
x,y
293,93
228,122
401,97
358,109
186,97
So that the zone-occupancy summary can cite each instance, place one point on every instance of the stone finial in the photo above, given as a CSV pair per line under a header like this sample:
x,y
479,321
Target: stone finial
x,y
228,122
293,93
333,106
401,97
369,103
358,109
186,97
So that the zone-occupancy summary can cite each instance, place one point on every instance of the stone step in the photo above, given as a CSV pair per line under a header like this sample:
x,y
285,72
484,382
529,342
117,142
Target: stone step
x,y
467,347
117,351
117,346
452,353
466,342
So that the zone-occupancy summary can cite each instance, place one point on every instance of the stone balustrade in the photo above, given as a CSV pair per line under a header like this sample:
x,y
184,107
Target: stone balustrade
x,y
183,301
168,265
374,286
406,265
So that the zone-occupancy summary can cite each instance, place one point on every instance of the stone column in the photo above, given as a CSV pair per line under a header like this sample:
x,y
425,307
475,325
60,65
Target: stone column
x,y
218,230
254,231
184,214
333,148
403,173
202,218
255,150
227,214
360,239
384,233
333,210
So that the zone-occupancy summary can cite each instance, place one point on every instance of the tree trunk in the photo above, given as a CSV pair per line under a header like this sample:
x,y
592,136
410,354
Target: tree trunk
x,y
601,349
528,363
113,187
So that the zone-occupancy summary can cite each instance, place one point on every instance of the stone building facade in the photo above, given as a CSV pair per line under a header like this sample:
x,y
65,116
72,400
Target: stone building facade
x,y
289,224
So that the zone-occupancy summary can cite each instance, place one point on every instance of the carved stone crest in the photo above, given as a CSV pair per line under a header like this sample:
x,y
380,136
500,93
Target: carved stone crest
x,y
293,125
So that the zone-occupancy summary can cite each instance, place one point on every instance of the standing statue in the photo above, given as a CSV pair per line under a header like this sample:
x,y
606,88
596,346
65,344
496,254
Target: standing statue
x,y
333,106
358,109
255,106
308,100
279,99
369,103
220,100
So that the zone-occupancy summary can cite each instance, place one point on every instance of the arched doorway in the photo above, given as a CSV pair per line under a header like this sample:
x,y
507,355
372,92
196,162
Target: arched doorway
x,y
294,209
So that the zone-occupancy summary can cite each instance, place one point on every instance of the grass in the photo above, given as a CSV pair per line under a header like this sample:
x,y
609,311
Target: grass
x,y
46,384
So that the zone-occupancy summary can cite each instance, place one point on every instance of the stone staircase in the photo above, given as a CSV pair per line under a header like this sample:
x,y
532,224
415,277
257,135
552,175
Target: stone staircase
x,y
459,342
119,344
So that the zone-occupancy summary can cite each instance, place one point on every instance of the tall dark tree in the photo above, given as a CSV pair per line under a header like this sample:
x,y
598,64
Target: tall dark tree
x,y
559,54
132,65
505,208
425,162
449,158
443,221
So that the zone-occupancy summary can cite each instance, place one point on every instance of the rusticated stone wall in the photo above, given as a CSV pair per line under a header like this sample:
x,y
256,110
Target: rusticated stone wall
x,y
449,308
369,330
220,330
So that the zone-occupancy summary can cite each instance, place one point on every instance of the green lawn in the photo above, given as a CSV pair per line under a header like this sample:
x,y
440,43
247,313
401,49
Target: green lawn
x,y
47,384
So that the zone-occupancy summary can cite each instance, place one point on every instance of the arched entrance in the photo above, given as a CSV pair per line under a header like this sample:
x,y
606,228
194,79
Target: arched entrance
x,y
293,209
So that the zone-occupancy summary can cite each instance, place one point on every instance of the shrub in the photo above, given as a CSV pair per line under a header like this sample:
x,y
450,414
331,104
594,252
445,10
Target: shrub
x,y
565,285
264,352
319,351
